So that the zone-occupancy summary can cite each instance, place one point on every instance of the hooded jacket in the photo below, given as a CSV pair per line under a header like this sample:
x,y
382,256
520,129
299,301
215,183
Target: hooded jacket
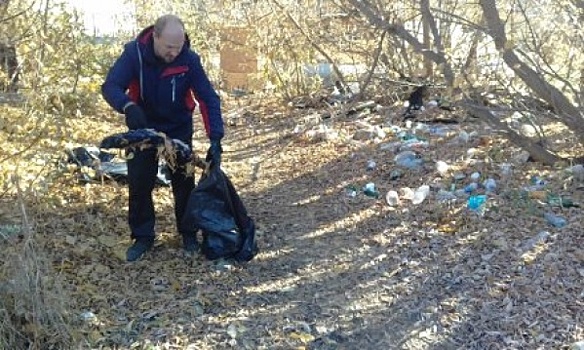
x,y
167,92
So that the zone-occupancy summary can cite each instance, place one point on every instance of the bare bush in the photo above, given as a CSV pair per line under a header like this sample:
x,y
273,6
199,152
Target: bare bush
x,y
33,308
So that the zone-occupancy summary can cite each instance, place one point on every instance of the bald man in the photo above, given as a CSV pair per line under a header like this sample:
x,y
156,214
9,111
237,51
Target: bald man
x,y
156,83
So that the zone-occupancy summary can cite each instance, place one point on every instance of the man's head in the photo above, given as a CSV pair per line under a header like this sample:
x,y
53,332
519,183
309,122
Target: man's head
x,y
169,37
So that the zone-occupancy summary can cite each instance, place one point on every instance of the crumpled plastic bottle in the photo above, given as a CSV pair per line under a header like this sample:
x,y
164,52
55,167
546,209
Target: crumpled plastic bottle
x,y
471,187
407,193
420,194
370,190
392,198
475,203
409,159
445,196
555,220
490,185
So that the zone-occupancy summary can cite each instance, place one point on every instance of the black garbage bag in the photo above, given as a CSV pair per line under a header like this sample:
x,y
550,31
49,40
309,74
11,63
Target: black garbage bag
x,y
215,207
88,156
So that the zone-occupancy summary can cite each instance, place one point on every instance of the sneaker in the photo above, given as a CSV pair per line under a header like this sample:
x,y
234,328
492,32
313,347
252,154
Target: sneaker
x,y
140,246
190,243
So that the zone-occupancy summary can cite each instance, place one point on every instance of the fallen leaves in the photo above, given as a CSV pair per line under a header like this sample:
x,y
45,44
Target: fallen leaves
x,y
335,271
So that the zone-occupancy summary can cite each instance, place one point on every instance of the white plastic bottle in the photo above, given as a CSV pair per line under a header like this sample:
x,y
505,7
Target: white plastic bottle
x,y
420,194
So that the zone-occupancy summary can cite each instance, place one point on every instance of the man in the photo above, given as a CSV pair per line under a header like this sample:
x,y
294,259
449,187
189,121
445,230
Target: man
x,y
157,82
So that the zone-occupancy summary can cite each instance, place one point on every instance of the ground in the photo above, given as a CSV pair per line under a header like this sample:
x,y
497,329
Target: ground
x,y
336,270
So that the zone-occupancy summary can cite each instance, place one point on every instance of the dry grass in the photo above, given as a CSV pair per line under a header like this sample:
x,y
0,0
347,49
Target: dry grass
x,y
33,307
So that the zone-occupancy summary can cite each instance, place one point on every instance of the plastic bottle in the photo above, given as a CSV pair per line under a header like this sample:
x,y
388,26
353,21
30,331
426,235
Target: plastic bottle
x,y
555,220
470,188
392,198
351,190
395,174
463,136
490,185
445,196
407,193
475,176
420,194
475,203
370,191
408,159
506,169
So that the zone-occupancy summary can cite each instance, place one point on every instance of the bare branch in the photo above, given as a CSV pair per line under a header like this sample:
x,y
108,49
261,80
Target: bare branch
x,y
312,42
572,115
366,9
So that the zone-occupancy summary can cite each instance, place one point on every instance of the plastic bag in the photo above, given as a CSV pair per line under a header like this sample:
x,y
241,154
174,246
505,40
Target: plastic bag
x,y
215,207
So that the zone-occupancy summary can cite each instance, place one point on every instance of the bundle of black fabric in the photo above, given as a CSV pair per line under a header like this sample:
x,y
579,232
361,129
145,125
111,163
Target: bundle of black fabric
x,y
145,138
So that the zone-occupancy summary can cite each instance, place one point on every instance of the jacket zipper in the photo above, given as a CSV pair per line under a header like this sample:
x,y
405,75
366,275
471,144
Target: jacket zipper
x,y
173,82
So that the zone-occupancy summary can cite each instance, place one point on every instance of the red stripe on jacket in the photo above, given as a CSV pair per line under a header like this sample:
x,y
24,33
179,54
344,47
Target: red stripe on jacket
x,y
134,91
203,108
174,71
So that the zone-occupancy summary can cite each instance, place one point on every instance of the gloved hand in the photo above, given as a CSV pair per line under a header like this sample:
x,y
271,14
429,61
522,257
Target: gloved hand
x,y
135,117
214,153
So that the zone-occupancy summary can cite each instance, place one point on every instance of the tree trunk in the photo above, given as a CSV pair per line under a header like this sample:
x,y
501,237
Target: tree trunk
x,y
536,152
427,62
571,115
9,64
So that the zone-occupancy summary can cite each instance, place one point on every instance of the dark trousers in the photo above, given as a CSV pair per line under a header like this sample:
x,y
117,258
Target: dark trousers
x,y
142,170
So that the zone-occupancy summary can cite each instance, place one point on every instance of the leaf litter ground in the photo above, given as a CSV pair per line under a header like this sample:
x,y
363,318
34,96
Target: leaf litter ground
x,y
336,270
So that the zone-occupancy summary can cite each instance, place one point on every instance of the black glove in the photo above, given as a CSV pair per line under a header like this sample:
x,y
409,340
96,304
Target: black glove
x,y
135,117
214,153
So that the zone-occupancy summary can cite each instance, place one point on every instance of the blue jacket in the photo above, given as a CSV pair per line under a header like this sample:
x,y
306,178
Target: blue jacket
x,y
167,92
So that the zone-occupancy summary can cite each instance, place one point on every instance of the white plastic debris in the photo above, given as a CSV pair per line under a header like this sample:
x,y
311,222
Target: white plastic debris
x,y
88,316
407,193
506,169
392,198
475,176
421,194
442,167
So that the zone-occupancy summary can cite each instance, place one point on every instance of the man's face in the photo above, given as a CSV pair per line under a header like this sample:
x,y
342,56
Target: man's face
x,y
169,43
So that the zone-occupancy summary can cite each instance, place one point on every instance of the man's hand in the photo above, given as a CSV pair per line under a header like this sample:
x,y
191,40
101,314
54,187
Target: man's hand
x,y
214,153
135,117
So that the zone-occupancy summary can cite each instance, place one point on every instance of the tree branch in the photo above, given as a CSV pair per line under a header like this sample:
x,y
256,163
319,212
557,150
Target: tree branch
x,y
367,10
313,43
537,152
572,116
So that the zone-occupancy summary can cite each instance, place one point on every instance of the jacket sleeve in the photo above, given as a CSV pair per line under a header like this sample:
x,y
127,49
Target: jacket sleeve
x,y
119,78
208,99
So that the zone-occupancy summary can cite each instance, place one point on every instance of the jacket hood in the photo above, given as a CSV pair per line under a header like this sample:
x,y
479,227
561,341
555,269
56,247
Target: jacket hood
x,y
146,41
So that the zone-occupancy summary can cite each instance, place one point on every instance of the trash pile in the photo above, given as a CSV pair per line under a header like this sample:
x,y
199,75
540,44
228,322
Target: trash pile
x,y
433,156
449,165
